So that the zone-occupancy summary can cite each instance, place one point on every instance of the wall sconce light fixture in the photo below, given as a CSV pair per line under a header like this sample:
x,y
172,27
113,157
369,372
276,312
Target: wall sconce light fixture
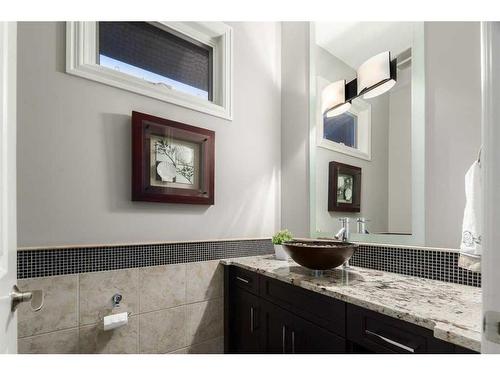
x,y
375,76
333,101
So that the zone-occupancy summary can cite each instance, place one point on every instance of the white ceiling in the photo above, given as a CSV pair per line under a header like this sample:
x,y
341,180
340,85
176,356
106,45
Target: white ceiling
x,y
355,42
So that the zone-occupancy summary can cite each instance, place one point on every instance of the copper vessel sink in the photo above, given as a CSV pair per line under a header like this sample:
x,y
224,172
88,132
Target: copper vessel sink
x,y
319,254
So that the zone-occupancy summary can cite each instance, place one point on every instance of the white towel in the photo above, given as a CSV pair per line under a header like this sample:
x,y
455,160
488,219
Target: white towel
x,y
470,248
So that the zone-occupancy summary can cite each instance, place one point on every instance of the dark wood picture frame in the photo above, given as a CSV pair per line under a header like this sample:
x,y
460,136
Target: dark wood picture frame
x,y
334,169
143,127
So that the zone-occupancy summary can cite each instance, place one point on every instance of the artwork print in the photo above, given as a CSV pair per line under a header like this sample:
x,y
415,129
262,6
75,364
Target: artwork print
x,y
344,188
174,163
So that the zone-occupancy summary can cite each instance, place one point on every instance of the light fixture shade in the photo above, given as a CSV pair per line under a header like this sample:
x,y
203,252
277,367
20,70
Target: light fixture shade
x,y
374,76
338,110
380,89
333,95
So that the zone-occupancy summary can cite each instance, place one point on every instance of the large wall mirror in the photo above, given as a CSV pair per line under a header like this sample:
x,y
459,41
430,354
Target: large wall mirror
x,y
368,116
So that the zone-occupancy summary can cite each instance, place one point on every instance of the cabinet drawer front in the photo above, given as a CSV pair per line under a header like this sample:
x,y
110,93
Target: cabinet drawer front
x,y
244,279
383,334
321,310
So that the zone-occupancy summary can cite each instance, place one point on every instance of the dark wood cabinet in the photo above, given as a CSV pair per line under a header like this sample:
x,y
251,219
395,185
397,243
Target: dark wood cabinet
x,y
308,338
319,309
245,323
382,334
277,327
378,333
284,332
268,316
264,315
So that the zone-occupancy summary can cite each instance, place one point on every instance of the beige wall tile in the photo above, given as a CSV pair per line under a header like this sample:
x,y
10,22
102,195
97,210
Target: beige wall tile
x,y
162,331
180,351
204,321
213,346
59,342
162,287
204,281
157,292
123,340
59,310
97,289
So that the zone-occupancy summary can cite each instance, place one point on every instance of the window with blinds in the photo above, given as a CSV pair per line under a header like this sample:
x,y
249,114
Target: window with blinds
x,y
341,129
157,55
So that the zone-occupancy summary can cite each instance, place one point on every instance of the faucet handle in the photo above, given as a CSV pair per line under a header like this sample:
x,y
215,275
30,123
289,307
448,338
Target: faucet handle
x,y
344,220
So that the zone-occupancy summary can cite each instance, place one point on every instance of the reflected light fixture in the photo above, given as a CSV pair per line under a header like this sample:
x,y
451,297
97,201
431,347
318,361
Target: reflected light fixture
x,y
338,110
376,75
333,101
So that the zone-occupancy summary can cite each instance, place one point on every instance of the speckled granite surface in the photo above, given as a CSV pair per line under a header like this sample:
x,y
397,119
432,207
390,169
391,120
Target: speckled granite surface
x,y
452,311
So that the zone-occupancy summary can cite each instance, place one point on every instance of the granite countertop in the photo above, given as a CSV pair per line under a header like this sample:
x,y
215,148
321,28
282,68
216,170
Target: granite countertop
x,y
451,311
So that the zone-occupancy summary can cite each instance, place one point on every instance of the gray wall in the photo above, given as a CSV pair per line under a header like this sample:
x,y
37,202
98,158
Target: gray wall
x,y
74,162
399,185
374,186
295,128
453,132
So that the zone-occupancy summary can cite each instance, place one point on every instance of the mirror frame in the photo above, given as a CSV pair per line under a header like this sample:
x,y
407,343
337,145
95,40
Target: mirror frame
x,y
417,238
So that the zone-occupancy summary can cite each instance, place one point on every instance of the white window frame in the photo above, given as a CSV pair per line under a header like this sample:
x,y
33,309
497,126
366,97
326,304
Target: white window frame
x,y
82,61
362,110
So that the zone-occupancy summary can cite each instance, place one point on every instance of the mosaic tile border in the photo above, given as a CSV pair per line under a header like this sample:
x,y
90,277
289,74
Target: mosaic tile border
x,y
64,261
426,263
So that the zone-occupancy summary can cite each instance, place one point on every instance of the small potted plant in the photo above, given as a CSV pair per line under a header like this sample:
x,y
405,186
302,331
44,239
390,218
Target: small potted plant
x,y
278,239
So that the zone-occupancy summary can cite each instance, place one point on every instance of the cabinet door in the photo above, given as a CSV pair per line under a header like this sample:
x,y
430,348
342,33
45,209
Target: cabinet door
x,y
277,325
283,332
244,323
308,338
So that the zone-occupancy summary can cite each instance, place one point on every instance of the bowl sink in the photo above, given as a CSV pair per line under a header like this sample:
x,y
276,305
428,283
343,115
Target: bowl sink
x,y
319,254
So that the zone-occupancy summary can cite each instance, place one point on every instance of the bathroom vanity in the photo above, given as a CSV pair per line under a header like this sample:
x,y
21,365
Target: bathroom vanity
x,y
279,307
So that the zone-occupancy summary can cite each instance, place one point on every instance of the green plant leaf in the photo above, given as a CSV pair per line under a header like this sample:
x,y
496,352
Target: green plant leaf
x,y
282,236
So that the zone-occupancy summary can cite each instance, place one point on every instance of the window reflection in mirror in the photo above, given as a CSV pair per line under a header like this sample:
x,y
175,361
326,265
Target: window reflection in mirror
x,y
341,129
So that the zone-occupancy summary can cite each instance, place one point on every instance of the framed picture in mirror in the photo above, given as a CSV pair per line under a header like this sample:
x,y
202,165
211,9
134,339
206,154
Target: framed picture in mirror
x,y
344,187
172,162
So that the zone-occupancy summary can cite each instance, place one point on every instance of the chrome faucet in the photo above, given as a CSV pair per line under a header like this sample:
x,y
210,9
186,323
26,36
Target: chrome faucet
x,y
343,233
362,225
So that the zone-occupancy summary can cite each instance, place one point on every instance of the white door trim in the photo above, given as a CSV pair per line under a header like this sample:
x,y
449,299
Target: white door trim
x,y
8,201
490,160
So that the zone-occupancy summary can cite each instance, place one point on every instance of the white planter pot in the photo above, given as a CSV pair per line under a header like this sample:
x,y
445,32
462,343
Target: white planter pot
x,y
280,253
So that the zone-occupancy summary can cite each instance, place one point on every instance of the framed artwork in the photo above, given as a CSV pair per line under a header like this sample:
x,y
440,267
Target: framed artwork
x,y
172,162
344,187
